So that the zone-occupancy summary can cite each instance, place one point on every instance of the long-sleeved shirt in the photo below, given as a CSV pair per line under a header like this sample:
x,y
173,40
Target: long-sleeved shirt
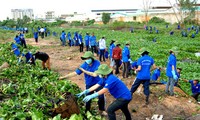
x,y
102,44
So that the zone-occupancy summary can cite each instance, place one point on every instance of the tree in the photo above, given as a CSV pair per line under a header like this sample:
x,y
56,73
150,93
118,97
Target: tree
x,y
146,7
186,9
105,18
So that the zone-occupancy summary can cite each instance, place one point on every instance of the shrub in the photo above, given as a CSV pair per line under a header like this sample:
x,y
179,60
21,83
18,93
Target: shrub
x,y
157,20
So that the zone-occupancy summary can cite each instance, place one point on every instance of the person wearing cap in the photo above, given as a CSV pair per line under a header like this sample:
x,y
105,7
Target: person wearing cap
x,y
156,75
80,40
115,86
44,57
195,87
92,43
145,62
86,38
90,64
117,56
102,48
125,59
171,72
111,47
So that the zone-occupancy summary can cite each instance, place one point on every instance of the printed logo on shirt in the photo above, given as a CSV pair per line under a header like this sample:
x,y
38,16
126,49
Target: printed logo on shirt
x,y
146,62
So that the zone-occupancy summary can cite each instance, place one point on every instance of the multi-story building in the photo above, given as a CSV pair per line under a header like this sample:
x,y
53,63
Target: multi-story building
x,y
50,15
20,13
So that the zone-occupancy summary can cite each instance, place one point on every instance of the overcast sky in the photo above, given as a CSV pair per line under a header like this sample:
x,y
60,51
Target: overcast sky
x,y
69,6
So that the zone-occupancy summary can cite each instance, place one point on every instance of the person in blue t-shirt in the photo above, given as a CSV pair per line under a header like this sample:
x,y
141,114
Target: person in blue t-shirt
x,y
195,87
134,66
156,74
92,43
115,86
80,40
171,72
29,57
145,62
178,73
111,47
36,34
15,49
17,40
22,39
87,38
69,38
91,65
63,38
76,39
125,59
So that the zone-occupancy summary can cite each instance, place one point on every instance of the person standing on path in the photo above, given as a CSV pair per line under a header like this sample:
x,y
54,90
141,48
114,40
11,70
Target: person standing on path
x,y
63,38
87,38
171,72
115,86
117,56
145,62
91,65
102,47
125,59
92,43
111,47
35,34
80,40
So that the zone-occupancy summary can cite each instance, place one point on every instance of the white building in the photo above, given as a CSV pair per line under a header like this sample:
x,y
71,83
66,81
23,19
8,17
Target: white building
x,y
50,15
20,13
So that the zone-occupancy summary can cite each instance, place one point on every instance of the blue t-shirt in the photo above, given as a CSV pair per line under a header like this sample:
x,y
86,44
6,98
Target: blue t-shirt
x,y
171,61
17,51
89,80
195,88
112,46
28,56
35,34
125,54
156,74
80,39
92,40
17,40
69,36
116,87
87,38
145,62
63,35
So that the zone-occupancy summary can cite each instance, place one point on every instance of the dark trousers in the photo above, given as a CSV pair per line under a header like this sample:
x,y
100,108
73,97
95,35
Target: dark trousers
x,y
36,40
145,85
42,35
117,65
87,47
81,47
102,54
195,96
116,105
45,34
101,101
125,70
23,42
93,49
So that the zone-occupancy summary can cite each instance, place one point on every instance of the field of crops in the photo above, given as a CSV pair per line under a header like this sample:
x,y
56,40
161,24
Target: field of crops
x,y
30,92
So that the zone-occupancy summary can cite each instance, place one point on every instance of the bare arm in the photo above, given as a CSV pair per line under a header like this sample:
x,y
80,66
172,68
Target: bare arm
x,y
94,87
173,68
68,75
88,73
102,91
139,68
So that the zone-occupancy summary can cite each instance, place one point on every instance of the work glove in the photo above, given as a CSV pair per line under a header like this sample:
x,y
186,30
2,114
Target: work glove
x,y
174,75
130,60
82,93
89,97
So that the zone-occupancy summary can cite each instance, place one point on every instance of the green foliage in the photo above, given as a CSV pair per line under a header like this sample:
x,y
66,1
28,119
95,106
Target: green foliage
x,y
105,18
157,20
76,23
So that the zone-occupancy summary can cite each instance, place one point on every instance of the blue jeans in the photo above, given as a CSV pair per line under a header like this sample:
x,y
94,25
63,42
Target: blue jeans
x,y
145,85
101,101
170,86
119,103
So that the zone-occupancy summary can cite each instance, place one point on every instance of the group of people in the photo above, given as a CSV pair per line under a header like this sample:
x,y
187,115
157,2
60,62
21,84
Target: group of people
x,y
99,78
20,43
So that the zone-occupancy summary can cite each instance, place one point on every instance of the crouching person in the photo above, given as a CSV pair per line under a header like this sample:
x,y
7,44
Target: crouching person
x,y
44,57
115,86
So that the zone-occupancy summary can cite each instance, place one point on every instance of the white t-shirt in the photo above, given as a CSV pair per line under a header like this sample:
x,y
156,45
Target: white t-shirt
x,y
102,44
42,30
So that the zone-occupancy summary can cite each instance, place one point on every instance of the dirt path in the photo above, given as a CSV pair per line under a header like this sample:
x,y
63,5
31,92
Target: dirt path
x,y
65,60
